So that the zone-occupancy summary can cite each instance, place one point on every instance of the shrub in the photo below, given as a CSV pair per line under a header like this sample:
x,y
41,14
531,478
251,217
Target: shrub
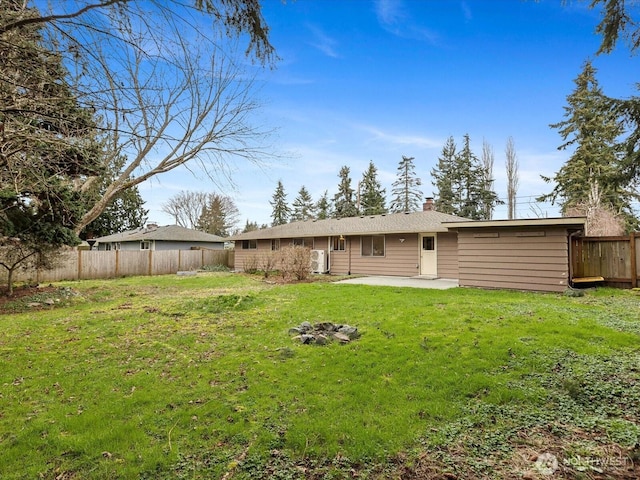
x,y
267,263
250,264
295,262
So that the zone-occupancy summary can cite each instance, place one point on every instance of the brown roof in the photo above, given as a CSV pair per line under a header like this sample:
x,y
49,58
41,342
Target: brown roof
x,y
169,233
412,222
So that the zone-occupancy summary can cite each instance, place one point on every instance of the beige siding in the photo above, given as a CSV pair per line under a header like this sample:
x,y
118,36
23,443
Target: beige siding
x,y
448,255
514,258
242,256
400,259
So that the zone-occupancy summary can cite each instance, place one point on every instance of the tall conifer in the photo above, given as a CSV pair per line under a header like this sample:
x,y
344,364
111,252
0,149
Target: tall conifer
x,y
407,196
281,211
372,195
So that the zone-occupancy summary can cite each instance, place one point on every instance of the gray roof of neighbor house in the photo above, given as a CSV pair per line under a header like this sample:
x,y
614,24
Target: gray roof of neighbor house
x,y
411,222
168,233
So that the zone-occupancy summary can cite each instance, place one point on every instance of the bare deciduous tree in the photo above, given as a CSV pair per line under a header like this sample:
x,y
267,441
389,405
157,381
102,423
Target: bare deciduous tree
x,y
186,207
487,172
172,102
602,221
512,167
167,82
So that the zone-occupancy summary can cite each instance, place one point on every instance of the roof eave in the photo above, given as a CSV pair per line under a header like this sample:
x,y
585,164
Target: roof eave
x,y
525,222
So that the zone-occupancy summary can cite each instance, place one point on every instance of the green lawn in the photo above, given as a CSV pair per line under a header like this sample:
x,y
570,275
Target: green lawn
x,y
197,377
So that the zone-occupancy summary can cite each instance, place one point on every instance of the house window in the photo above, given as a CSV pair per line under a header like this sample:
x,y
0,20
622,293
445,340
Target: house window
x,y
249,244
339,244
372,246
428,243
145,245
275,244
302,242
112,246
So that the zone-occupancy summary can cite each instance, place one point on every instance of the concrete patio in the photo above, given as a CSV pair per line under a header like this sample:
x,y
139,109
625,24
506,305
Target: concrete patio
x,y
412,282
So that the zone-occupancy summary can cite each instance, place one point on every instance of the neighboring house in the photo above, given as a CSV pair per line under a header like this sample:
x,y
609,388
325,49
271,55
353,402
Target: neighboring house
x,y
531,254
154,237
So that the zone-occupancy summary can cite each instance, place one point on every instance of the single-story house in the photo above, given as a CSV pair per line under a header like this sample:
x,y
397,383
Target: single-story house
x,y
154,237
532,254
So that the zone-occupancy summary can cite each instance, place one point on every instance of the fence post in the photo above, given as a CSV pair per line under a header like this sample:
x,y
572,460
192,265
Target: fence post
x,y
150,262
634,260
79,264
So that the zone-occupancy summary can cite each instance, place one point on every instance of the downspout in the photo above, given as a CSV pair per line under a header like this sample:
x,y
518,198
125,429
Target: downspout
x,y
329,254
349,249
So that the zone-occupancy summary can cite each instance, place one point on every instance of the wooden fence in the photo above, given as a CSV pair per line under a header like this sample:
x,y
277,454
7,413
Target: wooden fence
x,y
616,259
94,264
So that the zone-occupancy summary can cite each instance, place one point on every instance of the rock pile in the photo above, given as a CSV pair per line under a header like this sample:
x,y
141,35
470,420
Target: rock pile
x,y
323,332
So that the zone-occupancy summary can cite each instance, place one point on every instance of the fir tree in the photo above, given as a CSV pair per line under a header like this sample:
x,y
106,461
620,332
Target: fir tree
x,y
476,197
219,215
445,176
593,130
281,211
343,202
407,197
372,197
303,206
323,207
463,183
48,143
250,226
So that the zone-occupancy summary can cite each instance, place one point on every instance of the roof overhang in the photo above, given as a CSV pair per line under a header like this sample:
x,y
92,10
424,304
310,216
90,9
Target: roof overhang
x,y
577,222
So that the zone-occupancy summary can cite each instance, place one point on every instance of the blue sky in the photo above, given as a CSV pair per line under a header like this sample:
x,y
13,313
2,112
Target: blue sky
x,y
363,80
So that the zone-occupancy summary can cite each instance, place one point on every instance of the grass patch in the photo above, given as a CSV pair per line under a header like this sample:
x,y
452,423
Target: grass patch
x,y
197,377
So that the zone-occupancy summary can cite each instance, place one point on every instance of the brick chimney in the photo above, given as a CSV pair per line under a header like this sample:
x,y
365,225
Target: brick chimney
x,y
428,205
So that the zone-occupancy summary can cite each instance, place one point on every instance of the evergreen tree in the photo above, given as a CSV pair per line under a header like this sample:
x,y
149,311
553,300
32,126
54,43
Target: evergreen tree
x,y
445,176
343,202
372,197
48,143
407,197
323,207
477,199
219,215
281,211
250,226
303,206
592,129
463,183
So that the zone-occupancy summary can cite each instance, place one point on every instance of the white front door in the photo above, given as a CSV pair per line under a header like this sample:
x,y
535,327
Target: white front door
x,y
428,255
